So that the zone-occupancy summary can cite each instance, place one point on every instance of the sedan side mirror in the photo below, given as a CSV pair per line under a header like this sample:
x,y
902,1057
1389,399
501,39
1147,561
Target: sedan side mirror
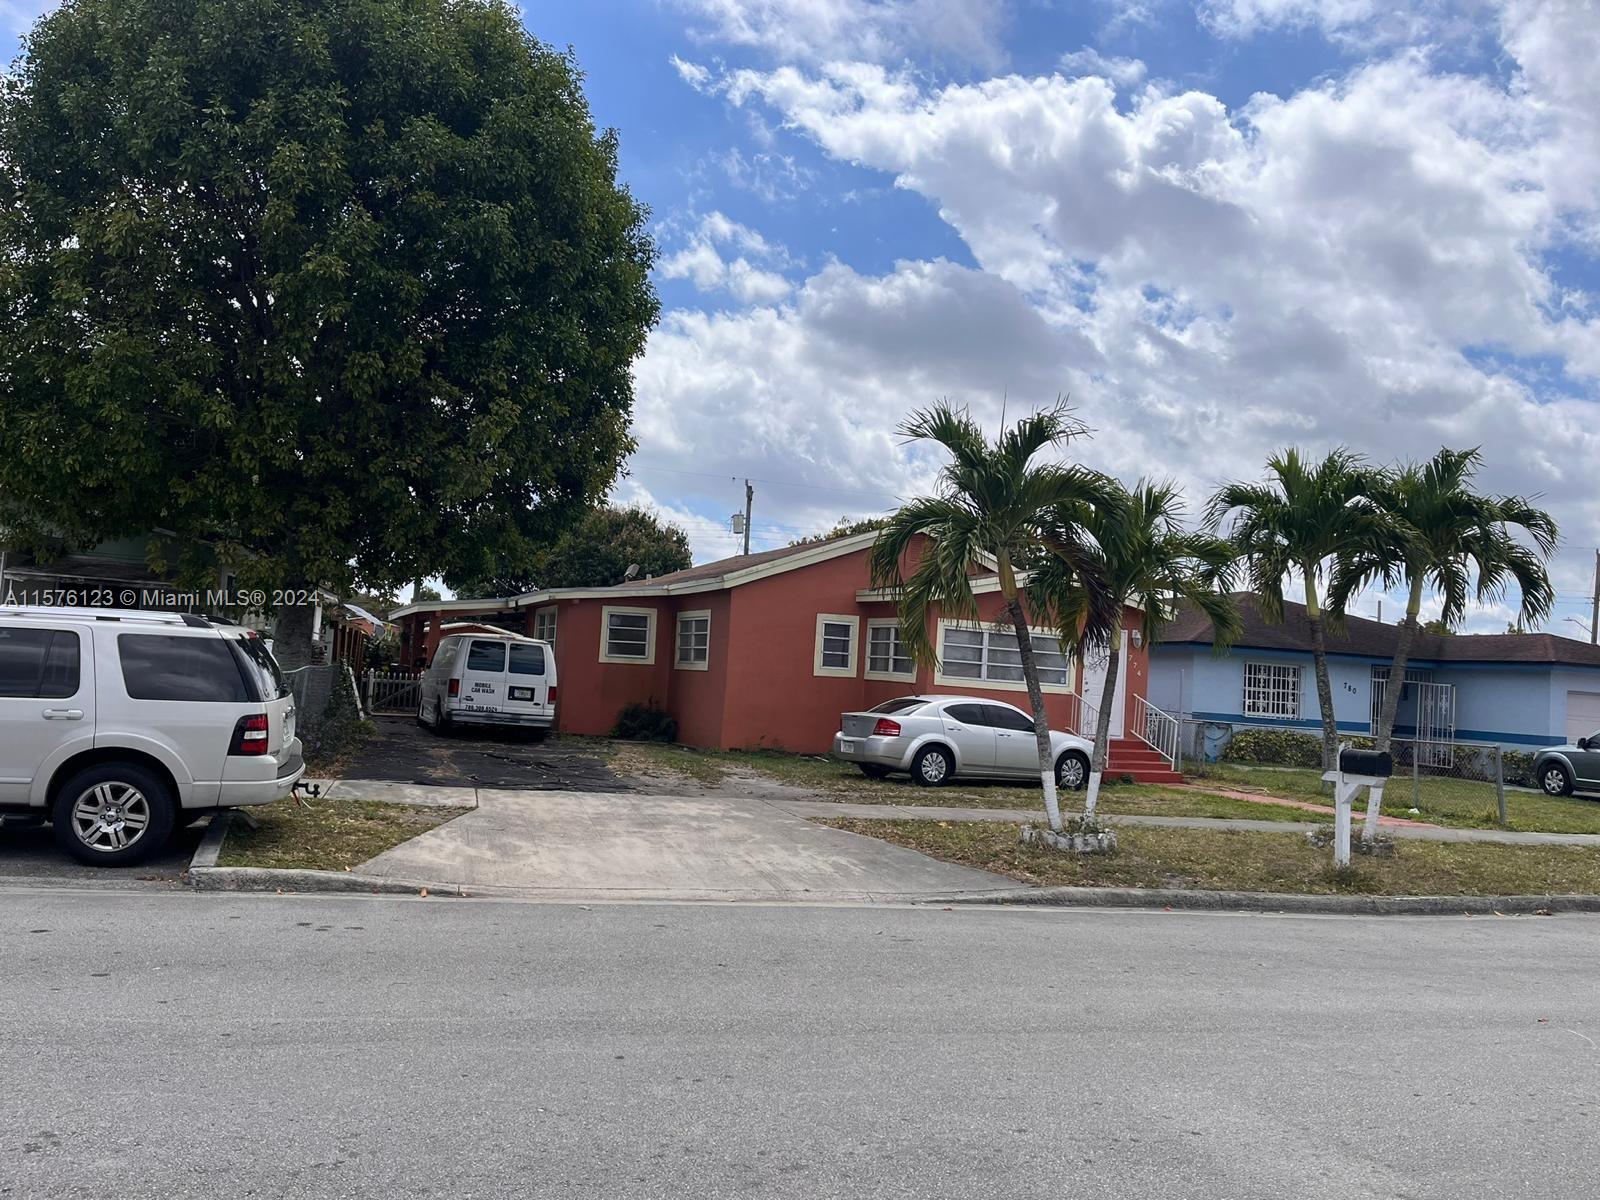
x,y
1583,743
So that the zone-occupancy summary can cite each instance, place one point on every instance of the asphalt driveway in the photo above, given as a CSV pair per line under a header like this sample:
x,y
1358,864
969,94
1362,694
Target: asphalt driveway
x,y
403,752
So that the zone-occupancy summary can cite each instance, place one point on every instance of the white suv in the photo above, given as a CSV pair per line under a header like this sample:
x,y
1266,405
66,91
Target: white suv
x,y
115,724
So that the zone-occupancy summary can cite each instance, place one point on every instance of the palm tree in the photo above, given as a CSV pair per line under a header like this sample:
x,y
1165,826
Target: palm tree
x,y
1304,514
1444,535
996,506
1152,563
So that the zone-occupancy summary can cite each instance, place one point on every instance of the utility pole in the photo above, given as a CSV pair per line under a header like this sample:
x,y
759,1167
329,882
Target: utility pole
x,y
1594,607
750,497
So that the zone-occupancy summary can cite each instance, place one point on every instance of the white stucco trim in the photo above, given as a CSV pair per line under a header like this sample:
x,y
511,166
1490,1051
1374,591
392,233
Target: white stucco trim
x,y
855,645
677,634
993,685
866,654
650,635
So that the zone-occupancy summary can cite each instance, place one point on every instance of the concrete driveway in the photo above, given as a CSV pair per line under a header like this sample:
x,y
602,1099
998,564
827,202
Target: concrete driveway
x,y
591,845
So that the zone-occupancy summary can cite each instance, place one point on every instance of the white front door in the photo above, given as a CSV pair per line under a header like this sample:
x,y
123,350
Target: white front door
x,y
1094,682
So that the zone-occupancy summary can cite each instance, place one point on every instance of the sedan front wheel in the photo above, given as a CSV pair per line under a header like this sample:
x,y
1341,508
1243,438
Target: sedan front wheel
x,y
1555,781
933,767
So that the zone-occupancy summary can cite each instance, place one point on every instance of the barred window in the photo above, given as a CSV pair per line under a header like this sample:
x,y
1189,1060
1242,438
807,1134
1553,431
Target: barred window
x,y
1272,690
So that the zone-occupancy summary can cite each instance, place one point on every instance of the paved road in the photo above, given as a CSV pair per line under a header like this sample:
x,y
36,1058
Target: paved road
x,y
30,856
198,1046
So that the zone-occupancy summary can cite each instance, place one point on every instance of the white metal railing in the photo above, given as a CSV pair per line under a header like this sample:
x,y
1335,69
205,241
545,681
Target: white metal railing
x,y
1088,716
393,691
1156,729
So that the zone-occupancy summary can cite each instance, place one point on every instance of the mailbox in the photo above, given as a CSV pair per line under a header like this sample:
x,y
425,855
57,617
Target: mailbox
x,y
1371,763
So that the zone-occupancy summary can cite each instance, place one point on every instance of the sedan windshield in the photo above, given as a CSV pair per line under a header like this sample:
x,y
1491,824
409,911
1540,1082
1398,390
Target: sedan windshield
x,y
903,705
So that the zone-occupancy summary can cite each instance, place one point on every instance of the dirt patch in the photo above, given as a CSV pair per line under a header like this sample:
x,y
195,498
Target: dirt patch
x,y
400,751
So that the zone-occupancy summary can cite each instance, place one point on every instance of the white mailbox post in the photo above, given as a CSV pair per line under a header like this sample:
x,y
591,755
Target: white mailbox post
x,y
1354,770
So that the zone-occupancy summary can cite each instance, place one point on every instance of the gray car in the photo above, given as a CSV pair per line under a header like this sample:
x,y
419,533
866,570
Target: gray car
x,y
1561,770
939,738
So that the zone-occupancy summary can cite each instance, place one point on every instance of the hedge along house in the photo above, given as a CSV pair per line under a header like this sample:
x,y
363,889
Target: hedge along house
x,y
767,650
1516,690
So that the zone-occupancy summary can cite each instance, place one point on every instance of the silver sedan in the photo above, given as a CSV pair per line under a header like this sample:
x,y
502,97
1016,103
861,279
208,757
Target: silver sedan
x,y
939,738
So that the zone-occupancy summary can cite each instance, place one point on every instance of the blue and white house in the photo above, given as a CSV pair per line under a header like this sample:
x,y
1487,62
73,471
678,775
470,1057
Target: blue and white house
x,y
1517,690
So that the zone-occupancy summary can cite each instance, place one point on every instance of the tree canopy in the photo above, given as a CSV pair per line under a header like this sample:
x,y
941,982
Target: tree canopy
x,y
347,288
596,552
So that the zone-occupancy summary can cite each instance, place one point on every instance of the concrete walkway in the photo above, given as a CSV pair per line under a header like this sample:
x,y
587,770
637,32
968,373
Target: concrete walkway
x,y
1432,833
610,846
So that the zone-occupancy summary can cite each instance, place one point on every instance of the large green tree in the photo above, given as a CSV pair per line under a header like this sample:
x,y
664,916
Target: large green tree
x,y
347,289
1301,520
596,552
997,508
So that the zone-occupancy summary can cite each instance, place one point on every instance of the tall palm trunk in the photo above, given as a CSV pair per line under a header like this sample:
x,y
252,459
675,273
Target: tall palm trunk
x,y
1041,723
1102,724
1397,672
1319,659
1391,699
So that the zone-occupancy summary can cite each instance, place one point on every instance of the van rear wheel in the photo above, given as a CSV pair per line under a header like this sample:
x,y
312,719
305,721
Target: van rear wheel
x,y
113,815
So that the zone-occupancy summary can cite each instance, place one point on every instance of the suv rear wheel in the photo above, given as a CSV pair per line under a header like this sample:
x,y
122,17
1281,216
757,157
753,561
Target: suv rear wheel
x,y
113,814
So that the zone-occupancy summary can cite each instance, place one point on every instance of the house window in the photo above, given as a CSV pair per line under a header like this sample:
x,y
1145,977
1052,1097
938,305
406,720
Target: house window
x,y
835,652
544,624
887,656
627,635
694,641
1272,690
991,656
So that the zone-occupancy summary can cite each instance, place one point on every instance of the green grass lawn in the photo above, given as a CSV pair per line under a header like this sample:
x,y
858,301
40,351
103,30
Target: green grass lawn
x,y
327,835
1252,862
1462,803
830,779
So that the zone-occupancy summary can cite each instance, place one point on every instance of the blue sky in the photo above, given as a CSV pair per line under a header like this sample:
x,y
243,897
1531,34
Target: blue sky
x,y
1221,227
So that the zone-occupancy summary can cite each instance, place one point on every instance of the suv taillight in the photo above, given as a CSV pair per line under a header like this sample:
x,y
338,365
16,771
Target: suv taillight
x,y
250,735
455,687
550,696
886,728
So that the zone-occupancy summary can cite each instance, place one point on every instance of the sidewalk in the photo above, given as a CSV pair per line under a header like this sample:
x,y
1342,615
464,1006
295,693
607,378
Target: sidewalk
x,y
1017,816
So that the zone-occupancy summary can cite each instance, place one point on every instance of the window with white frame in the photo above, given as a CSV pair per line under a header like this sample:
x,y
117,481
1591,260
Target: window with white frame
x,y
887,656
836,645
544,624
1272,690
628,635
991,656
694,640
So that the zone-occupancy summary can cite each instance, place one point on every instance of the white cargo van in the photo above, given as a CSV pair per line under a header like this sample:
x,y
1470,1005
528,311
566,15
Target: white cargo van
x,y
490,679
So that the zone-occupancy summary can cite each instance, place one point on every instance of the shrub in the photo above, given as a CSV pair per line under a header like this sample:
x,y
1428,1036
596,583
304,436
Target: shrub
x,y
1279,747
1518,767
646,723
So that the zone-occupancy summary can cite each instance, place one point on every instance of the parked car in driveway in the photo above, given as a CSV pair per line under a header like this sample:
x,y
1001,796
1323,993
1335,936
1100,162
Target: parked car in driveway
x,y
1562,770
489,679
117,724
939,738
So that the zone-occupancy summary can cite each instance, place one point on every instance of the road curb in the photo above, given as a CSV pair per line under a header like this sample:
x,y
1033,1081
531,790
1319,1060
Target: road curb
x,y
205,854
273,879
1289,902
